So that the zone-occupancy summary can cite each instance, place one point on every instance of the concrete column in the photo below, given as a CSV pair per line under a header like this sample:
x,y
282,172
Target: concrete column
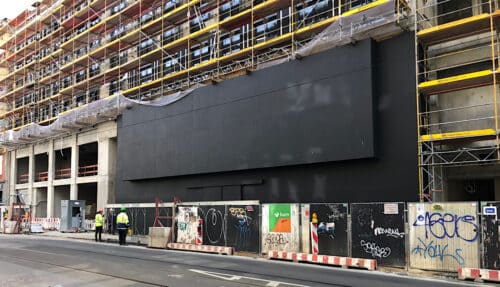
x,y
106,171
73,193
32,200
50,181
12,175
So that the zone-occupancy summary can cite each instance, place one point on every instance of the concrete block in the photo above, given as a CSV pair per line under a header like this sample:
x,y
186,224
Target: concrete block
x,y
158,237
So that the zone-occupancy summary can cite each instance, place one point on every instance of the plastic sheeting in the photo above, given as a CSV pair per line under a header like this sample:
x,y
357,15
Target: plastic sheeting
x,y
378,22
93,113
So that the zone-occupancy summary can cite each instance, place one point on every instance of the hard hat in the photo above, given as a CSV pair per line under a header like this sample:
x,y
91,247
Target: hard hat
x,y
123,209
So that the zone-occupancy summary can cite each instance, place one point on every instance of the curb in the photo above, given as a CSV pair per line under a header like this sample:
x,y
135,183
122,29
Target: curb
x,y
476,273
201,248
369,264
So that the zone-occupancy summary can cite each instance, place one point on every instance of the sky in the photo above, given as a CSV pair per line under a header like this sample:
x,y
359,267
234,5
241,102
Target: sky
x,y
12,8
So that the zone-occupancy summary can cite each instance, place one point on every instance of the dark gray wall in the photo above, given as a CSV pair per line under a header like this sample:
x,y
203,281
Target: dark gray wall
x,y
364,155
315,110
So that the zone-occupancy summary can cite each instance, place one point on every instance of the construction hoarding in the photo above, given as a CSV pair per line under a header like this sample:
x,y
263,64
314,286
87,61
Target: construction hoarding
x,y
443,236
378,232
330,222
243,227
280,227
491,234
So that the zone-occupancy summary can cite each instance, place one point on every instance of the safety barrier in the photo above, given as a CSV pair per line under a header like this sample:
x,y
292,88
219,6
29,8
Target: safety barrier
x,y
369,264
201,248
47,223
476,273
89,224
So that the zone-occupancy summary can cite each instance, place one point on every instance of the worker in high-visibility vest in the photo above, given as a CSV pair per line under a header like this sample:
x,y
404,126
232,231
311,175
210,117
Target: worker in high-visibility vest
x,y
99,221
122,225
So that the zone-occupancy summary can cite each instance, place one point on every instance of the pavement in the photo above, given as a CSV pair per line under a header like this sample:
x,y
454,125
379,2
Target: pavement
x,y
90,235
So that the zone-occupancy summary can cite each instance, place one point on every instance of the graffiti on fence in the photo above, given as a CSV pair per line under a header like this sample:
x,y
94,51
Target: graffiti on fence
x,y
280,227
378,232
491,235
448,225
374,250
214,230
243,227
186,224
331,219
443,236
390,232
431,249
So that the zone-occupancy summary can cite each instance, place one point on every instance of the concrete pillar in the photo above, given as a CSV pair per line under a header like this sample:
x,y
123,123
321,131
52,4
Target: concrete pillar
x,y
50,181
106,171
12,175
32,200
73,193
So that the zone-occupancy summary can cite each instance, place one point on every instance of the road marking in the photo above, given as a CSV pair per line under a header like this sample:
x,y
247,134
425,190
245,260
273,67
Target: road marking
x,y
230,277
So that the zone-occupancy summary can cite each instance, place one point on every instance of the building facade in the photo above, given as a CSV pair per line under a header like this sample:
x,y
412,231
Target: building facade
x,y
280,101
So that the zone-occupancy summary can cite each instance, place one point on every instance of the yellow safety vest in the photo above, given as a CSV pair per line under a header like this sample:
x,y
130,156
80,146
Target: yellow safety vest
x,y
99,220
122,218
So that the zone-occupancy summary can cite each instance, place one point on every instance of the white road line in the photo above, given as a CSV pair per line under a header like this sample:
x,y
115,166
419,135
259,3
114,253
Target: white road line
x,y
230,277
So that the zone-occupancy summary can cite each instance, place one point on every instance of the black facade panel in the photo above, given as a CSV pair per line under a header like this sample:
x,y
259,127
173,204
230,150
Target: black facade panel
x,y
389,176
315,110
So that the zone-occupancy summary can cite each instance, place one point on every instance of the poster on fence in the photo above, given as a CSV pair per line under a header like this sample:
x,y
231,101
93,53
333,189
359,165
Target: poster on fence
x,y
243,228
187,224
280,227
213,217
491,234
329,228
443,236
378,232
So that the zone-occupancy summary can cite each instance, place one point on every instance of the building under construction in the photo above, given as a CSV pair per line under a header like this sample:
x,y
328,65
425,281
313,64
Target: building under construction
x,y
280,101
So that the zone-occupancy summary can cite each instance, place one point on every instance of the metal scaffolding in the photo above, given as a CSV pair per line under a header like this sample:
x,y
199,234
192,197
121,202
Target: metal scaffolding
x,y
456,48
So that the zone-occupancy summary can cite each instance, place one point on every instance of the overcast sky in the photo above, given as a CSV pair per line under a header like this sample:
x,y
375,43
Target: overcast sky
x,y
12,8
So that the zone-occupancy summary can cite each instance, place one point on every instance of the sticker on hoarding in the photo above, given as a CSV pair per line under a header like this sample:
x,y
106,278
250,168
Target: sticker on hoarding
x,y
490,210
391,208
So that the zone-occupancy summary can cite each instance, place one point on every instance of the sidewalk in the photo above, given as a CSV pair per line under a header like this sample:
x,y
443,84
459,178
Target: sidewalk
x,y
89,235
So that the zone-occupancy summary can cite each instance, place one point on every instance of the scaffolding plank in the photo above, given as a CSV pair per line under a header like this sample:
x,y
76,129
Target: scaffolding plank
x,y
456,29
478,134
364,7
458,82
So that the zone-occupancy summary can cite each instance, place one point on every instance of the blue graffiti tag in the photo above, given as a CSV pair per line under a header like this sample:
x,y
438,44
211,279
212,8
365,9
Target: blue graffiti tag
x,y
436,250
448,225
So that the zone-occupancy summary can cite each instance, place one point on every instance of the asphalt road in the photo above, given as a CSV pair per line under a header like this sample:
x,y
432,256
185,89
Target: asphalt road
x,y
36,261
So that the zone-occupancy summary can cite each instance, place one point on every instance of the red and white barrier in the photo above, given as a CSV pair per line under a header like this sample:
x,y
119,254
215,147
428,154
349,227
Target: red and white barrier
x,y
476,273
47,223
201,248
314,237
370,264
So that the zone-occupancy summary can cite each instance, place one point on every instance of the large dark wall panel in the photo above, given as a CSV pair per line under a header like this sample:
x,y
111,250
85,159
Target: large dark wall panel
x,y
391,175
315,110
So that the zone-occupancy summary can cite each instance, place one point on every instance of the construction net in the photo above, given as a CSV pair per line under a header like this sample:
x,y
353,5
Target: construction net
x,y
91,114
379,22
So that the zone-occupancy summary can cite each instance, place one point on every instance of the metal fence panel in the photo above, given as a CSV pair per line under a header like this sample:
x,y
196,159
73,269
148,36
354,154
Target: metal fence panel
x,y
331,228
378,232
243,227
443,236
491,234
187,224
280,227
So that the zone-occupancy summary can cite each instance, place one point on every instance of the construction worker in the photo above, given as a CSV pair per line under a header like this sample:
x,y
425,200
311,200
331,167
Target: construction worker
x,y
122,225
99,220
